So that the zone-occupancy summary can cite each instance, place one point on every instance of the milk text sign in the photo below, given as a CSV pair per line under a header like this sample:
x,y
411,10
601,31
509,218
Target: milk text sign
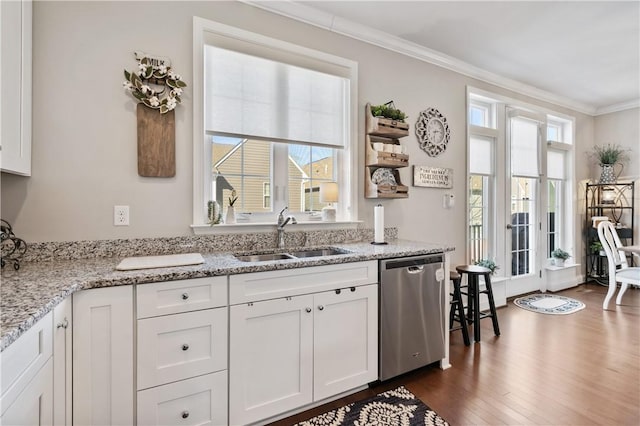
x,y
432,177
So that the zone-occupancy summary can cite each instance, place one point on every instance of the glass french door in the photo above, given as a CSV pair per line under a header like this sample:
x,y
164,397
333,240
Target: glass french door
x,y
523,240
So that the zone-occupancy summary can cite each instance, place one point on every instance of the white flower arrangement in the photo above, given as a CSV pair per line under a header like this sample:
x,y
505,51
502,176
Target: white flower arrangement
x,y
164,100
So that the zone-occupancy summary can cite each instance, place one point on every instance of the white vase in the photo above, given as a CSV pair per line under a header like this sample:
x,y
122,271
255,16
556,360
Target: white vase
x,y
558,262
230,218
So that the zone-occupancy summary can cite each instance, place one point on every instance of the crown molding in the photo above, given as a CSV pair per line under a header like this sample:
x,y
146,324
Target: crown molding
x,y
618,107
309,15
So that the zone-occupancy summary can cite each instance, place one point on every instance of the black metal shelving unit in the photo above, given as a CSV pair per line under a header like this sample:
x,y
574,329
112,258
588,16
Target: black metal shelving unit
x,y
616,201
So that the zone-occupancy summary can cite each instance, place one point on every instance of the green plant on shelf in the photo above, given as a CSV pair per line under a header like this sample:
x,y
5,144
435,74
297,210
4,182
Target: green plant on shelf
x,y
388,110
487,263
595,247
609,154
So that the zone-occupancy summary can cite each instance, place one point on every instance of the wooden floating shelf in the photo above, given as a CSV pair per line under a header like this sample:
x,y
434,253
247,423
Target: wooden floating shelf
x,y
386,159
387,132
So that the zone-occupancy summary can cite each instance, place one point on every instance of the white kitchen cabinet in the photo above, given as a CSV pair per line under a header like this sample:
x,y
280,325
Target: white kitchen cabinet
x,y
34,405
289,352
103,356
345,340
270,361
27,379
182,349
62,363
201,400
176,347
15,86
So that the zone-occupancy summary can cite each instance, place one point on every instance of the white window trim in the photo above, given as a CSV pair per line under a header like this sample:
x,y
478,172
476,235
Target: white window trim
x,y
569,236
345,173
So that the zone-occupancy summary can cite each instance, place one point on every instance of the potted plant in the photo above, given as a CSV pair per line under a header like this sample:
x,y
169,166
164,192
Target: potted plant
x,y
559,256
607,156
596,247
487,263
388,110
231,213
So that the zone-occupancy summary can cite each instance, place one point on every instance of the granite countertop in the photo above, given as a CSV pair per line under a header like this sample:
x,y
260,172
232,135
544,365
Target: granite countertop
x,y
30,293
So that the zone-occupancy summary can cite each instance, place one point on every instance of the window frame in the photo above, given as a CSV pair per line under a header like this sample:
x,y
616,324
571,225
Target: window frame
x,y
567,124
347,208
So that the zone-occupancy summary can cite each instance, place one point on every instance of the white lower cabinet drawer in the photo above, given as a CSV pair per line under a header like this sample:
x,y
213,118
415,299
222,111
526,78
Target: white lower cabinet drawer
x,y
176,347
198,401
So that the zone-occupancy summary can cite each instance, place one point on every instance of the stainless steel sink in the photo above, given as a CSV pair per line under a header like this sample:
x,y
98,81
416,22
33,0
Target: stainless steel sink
x,y
264,257
318,252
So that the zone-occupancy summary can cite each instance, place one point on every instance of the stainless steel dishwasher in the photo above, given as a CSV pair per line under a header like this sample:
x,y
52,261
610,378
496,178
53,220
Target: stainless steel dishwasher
x,y
412,310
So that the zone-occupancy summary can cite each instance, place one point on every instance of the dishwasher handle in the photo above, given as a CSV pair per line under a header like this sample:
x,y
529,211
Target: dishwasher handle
x,y
415,269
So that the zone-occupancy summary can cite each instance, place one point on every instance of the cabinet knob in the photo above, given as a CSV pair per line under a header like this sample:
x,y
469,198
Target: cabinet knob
x,y
338,291
63,324
185,296
185,414
353,289
320,307
185,347
308,310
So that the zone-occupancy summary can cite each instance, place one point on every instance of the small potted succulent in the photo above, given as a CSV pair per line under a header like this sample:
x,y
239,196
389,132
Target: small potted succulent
x,y
487,263
559,256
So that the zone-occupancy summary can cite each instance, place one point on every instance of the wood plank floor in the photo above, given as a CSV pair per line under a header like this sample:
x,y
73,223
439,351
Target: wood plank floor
x,y
578,369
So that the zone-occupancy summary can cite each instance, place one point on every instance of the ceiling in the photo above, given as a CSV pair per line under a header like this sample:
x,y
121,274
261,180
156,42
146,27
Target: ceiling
x,y
581,54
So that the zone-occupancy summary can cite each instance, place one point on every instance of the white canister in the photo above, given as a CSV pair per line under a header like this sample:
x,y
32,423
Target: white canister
x,y
378,146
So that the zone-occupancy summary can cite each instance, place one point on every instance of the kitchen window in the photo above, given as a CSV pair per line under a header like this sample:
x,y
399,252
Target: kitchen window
x,y
276,120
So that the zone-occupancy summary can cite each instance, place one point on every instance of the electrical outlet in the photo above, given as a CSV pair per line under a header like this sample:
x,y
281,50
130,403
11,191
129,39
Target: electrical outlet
x,y
121,215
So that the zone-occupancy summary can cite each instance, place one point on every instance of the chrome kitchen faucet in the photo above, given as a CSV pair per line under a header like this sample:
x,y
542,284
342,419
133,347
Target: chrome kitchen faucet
x,y
282,222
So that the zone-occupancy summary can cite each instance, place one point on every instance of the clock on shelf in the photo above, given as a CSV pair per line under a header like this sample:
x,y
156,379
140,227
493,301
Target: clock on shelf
x,y
433,132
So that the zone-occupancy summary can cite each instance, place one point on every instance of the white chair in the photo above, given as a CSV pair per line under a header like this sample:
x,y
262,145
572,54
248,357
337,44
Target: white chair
x,y
619,270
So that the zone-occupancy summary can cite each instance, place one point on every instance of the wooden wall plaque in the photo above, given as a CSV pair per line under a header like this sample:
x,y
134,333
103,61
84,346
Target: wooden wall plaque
x,y
156,142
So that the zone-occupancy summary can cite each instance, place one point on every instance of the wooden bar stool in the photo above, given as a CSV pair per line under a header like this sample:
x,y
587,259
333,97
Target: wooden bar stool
x,y
456,312
473,298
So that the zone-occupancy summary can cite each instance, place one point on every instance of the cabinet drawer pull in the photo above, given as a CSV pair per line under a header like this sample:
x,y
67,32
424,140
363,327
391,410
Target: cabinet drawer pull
x,y
185,296
308,310
185,414
320,307
63,324
185,347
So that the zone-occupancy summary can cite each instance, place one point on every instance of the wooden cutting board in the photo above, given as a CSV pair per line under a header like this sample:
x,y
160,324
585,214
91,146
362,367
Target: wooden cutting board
x,y
166,261
156,142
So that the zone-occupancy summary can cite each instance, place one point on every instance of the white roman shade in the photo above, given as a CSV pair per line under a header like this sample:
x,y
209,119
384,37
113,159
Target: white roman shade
x,y
481,155
524,148
556,165
262,98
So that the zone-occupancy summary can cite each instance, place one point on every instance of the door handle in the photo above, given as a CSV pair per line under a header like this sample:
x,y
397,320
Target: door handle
x,y
509,226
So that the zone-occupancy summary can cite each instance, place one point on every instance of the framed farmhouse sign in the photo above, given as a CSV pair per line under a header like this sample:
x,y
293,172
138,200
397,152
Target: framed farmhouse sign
x,y
432,177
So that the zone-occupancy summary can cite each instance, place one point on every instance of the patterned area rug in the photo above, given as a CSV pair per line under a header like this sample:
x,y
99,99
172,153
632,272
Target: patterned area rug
x,y
549,304
395,407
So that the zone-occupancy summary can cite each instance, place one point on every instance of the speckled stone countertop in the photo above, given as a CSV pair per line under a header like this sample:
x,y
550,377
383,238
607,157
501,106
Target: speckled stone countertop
x,y
30,293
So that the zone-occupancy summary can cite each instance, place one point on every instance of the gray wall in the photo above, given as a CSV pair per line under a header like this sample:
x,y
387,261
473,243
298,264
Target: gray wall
x,y
84,125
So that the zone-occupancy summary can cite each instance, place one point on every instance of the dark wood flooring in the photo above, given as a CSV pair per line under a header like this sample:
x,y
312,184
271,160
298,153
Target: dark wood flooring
x,y
577,369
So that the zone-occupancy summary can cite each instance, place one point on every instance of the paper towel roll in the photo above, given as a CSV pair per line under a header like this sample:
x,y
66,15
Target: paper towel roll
x,y
378,224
